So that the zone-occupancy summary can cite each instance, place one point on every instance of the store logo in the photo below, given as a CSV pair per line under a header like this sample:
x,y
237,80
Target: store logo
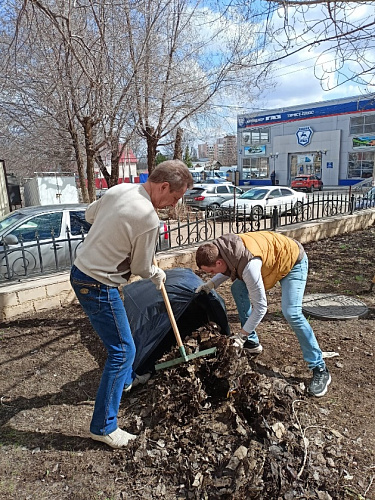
x,y
304,135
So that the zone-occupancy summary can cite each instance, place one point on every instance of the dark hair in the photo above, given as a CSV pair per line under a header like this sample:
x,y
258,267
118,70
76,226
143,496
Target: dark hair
x,y
173,171
207,255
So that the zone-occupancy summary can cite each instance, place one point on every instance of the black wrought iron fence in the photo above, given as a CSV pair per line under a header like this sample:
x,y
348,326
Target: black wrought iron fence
x,y
197,227
20,260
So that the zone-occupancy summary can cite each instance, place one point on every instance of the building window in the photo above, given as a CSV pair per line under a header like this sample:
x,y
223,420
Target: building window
x,y
257,136
255,168
361,165
362,124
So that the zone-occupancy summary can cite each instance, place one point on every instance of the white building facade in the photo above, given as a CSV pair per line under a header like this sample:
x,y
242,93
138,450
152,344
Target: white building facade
x,y
333,139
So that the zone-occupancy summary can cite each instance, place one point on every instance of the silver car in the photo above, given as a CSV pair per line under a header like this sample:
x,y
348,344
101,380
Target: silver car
x,y
210,196
39,239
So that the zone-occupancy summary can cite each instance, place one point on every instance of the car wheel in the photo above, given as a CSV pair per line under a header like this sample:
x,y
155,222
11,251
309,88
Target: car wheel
x,y
298,208
321,187
311,189
257,213
212,209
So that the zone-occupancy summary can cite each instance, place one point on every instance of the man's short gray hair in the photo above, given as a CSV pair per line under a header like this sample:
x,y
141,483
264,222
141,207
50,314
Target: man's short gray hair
x,y
173,171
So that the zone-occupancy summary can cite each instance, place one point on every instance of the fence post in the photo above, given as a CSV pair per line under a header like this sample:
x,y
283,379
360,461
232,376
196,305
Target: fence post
x,y
351,208
275,218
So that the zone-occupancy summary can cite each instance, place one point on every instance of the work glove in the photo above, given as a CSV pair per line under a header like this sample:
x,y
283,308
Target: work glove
x,y
206,287
238,340
158,278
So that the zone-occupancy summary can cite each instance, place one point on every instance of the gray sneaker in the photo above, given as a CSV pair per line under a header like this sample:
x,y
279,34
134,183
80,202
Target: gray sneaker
x,y
320,381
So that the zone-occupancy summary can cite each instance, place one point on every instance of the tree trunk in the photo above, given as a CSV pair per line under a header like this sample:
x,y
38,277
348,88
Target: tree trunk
x,y
80,166
90,156
115,160
152,144
102,168
177,155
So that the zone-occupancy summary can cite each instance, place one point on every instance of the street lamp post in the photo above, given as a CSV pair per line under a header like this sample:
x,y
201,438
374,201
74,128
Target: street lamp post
x,y
274,156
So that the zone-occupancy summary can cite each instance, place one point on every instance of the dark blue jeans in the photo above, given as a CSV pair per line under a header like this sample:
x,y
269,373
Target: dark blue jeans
x,y
105,309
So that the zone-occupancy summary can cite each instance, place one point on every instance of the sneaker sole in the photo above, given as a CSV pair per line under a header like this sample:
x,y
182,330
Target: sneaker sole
x,y
320,394
254,350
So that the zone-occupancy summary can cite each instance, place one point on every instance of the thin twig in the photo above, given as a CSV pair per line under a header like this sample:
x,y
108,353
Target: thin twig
x,y
303,437
369,486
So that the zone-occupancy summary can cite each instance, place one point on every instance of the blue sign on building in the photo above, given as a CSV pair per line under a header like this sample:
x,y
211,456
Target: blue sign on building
x,y
303,114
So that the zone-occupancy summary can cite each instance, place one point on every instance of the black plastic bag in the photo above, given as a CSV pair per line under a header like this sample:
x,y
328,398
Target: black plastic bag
x,y
149,320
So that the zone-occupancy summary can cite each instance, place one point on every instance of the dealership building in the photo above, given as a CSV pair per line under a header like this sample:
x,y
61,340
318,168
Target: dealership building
x,y
333,139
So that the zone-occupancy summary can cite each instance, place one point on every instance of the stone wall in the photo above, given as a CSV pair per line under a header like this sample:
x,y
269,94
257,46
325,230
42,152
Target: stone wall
x,y
32,296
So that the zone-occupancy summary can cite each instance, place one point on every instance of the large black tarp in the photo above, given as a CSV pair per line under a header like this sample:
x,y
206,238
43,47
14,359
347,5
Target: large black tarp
x,y
149,321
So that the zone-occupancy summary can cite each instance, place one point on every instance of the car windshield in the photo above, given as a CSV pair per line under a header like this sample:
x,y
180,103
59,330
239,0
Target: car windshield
x,y
8,220
301,178
254,194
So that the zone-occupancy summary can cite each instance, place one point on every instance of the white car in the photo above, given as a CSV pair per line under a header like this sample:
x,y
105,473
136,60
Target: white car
x,y
39,239
259,202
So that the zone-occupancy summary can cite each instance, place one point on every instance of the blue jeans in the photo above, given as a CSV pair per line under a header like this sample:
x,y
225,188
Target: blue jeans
x,y
106,312
292,290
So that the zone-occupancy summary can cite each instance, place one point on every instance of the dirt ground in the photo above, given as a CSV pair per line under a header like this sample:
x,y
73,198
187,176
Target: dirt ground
x,y
226,427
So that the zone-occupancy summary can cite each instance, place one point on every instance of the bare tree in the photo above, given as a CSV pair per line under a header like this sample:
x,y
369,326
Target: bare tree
x,y
78,52
110,69
339,35
191,55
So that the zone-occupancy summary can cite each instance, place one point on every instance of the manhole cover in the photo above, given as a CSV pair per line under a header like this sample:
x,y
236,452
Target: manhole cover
x,y
333,306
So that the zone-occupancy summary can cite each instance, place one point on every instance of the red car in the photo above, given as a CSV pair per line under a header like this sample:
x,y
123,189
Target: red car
x,y
307,183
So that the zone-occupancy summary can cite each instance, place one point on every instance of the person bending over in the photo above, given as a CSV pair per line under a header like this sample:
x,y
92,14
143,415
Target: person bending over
x,y
121,242
255,262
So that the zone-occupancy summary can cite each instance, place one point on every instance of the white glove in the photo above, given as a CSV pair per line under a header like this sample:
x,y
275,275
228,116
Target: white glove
x,y
158,278
238,340
206,287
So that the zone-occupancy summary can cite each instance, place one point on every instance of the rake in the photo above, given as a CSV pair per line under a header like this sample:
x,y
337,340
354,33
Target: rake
x,y
184,357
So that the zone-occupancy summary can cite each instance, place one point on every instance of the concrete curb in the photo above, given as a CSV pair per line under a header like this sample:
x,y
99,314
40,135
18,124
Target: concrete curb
x,y
54,291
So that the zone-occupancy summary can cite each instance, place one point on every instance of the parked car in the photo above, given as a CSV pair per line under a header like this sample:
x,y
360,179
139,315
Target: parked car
x,y
45,238
367,200
307,183
210,196
259,202
216,180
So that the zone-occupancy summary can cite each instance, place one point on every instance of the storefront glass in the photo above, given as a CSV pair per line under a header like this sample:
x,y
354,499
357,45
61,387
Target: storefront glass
x,y
307,163
361,165
255,168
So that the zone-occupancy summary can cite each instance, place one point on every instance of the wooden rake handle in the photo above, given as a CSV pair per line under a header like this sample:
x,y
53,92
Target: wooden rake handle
x,y
170,313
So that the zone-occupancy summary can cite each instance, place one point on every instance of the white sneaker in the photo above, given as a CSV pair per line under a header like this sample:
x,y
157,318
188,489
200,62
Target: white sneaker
x,y
141,379
116,439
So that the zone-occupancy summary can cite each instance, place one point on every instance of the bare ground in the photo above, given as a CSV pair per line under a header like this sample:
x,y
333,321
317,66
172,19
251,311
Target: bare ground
x,y
232,426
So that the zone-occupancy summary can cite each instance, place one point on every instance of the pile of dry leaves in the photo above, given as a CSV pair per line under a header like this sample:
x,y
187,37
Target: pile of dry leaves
x,y
229,427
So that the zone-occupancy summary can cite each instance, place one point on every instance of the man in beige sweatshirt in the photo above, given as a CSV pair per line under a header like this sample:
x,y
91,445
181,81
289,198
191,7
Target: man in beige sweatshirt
x,y
121,242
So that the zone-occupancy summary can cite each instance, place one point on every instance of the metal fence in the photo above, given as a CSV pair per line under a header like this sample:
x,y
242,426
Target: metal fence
x,y
197,227
25,260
